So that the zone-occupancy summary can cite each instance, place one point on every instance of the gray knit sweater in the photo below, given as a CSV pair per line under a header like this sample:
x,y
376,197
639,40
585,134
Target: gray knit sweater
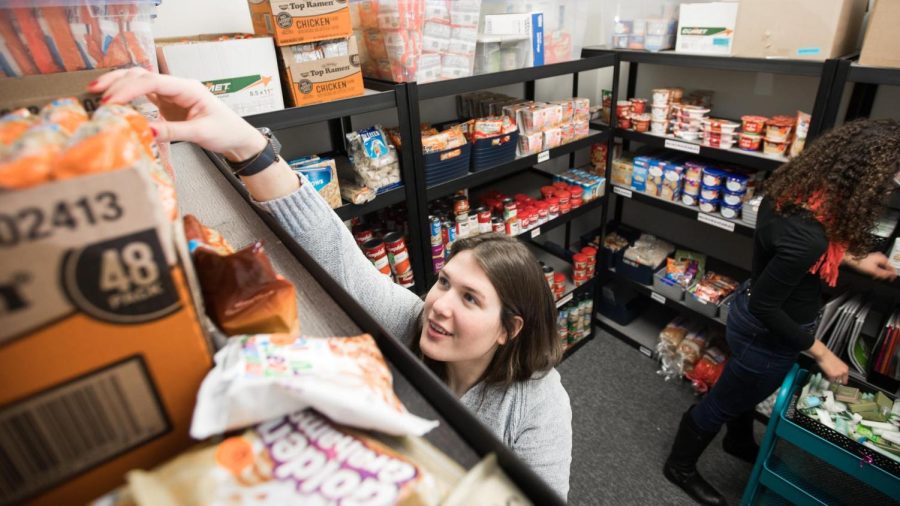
x,y
532,417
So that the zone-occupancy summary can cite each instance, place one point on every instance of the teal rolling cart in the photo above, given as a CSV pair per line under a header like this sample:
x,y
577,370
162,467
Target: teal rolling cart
x,y
803,462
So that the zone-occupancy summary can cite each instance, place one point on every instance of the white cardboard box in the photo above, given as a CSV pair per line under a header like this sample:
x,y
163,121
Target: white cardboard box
x,y
242,72
707,28
526,29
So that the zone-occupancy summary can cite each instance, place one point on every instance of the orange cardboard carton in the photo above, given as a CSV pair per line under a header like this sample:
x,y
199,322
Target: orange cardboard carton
x,y
299,21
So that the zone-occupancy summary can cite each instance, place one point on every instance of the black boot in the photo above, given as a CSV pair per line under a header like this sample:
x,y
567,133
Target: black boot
x,y
681,466
738,440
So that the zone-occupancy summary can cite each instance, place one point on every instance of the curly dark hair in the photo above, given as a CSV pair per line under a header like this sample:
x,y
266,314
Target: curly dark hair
x,y
852,167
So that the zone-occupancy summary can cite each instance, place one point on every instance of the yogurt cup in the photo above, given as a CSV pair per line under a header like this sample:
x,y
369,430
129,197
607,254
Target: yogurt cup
x,y
713,177
694,112
753,124
722,126
624,123
736,183
638,105
660,96
623,108
716,142
709,192
687,135
708,206
775,148
730,212
659,112
688,199
658,127
733,198
641,122
691,187
778,129
749,141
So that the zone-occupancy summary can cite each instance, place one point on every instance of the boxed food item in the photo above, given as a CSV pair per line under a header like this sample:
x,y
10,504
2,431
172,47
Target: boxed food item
x,y
322,72
882,37
49,36
707,28
101,351
296,22
322,174
798,29
241,71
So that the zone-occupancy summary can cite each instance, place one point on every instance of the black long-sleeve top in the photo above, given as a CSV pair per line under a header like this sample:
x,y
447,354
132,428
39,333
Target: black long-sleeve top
x,y
784,295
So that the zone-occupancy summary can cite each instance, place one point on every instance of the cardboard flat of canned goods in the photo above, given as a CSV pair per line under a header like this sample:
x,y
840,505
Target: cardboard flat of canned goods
x,y
300,21
101,352
317,81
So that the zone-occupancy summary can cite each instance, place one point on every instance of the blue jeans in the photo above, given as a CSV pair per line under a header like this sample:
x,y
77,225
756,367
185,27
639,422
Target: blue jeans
x,y
757,368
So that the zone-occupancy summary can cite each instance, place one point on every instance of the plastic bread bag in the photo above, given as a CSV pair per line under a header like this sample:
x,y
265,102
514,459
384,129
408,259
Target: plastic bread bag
x,y
707,370
298,459
33,158
803,120
260,377
65,112
101,145
242,292
12,126
487,485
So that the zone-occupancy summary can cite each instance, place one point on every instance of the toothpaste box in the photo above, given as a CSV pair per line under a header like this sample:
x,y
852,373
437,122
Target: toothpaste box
x,y
325,79
299,21
243,72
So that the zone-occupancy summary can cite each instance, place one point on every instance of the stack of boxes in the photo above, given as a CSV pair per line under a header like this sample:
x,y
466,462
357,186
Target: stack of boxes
x,y
318,53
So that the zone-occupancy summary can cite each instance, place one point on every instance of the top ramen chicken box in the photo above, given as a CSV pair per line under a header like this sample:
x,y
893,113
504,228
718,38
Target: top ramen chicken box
x,y
300,21
101,351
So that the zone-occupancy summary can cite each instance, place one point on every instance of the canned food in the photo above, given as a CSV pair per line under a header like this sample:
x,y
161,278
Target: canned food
x,y
460,204
552,208
509,209
375,251
563,196
434,224
449,231
462,226
406,279
547,191
512,227
483,216
543,212
498,225
563,209
437,251
580,262
362,234
548,275
398,256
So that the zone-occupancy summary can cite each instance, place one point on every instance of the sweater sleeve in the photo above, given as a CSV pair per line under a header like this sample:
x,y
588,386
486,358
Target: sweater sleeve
x,y
795,253
315,227
545,440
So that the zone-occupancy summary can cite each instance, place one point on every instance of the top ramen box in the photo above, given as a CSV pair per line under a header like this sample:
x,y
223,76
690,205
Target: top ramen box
x,y
299,21
101,349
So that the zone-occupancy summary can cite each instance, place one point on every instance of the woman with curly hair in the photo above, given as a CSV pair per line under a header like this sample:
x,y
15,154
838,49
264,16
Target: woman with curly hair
x,y
818,213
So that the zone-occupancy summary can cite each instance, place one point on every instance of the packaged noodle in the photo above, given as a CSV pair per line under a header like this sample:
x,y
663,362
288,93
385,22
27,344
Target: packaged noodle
x,y
260,377
375,160
298,459
241,290
33,157
65,112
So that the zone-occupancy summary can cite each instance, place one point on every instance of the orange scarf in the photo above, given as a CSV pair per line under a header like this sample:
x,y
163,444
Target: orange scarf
x,y
829,264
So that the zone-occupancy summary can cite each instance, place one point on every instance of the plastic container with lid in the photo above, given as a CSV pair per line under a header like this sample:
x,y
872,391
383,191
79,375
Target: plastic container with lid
x,y
733,198
753,124
708,206
749,141
713,177
736,183
731,212
50,36
710,192
775,148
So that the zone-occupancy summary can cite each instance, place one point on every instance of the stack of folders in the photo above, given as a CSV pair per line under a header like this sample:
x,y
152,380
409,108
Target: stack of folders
x,y
868,336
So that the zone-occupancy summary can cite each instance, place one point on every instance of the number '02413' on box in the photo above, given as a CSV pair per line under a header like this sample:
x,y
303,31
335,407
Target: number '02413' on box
x,y
101,352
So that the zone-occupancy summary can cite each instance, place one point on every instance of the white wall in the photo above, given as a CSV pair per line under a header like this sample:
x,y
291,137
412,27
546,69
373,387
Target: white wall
x,y
182,18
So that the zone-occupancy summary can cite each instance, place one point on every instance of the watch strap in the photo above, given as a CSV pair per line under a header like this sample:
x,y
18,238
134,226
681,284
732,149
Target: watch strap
x,y
256,164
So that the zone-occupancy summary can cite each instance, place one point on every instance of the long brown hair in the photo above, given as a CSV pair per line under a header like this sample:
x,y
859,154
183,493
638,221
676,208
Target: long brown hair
x,y
851,168
516,275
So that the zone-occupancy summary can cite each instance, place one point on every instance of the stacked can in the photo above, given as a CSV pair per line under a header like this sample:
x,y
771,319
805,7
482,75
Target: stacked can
x,y
398,257
511,217
375,251
548,275
574,322
592,186
591,253
580,269
559,285
437,243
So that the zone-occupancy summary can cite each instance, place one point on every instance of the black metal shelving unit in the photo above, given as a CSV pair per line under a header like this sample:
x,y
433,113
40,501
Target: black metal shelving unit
x,y
379,96
527,76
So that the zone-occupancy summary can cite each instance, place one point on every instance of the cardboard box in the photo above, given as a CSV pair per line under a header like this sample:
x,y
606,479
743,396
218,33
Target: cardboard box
x,y
243,73
507,29
882,38
317,81
706,28
299,21
798,29
101,352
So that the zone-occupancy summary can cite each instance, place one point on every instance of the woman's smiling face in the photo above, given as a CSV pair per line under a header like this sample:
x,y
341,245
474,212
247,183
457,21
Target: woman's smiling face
x,y
462,313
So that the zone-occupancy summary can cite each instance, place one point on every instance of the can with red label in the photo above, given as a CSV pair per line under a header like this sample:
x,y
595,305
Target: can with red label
x,y
513,227
497,225
437,264
474,228
398,256
543,212
509,209
362,234
552,208
483,215
406,279
448,230
376,252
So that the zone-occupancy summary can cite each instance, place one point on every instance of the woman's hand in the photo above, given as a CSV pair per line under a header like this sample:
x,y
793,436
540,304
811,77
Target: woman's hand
x,y
190,112
832,367
874,264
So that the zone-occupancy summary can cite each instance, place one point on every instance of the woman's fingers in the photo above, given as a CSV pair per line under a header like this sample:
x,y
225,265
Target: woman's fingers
x,y
172,131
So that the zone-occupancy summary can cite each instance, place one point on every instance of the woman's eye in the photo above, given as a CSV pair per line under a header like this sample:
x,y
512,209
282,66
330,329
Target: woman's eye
x,y
443,281
470,298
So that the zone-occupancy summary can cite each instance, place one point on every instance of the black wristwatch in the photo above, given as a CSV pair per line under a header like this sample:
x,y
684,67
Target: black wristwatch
x,y
261,160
